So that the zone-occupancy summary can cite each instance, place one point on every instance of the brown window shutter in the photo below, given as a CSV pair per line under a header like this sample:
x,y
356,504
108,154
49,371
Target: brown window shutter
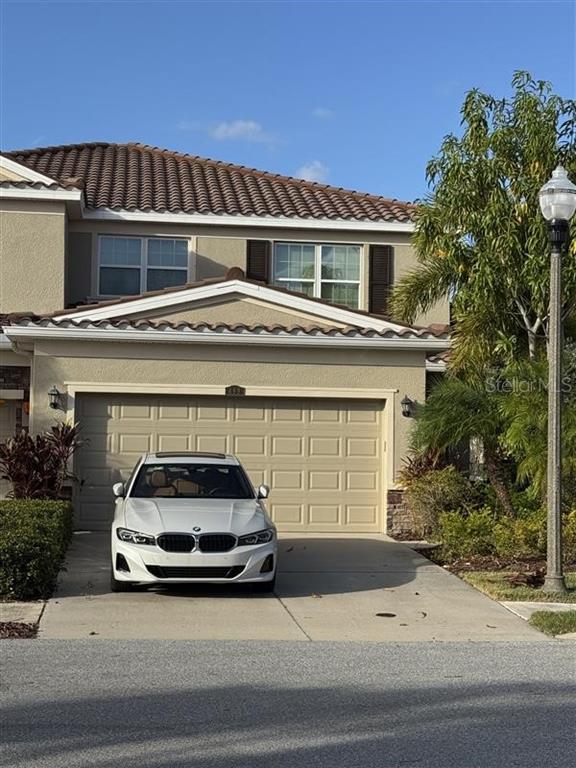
x,y
381,278
258,260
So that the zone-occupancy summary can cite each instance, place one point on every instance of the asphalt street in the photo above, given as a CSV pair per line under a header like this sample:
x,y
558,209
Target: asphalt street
x,y
218,704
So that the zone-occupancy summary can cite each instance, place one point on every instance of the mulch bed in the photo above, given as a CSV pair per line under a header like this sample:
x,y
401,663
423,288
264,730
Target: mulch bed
x,y
17,629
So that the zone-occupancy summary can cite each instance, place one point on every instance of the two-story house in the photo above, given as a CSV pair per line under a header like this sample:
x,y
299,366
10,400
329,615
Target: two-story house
x,y
167,302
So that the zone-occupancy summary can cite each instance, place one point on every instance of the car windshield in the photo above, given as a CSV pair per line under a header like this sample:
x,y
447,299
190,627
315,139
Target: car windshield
x,y
191,481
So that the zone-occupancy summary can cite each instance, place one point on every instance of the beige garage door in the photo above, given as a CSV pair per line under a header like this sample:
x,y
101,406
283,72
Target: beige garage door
x,y
323,459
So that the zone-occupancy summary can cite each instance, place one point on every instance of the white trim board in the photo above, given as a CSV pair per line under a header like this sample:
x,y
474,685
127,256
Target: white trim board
x,y
284,222
74,387
17,193
26,173
32,332
253,290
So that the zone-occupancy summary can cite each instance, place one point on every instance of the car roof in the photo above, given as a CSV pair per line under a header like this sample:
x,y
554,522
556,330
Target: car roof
x,y
189,457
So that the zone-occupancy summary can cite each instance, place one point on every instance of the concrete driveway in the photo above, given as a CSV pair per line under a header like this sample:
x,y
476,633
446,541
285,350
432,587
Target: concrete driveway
x,y
343,588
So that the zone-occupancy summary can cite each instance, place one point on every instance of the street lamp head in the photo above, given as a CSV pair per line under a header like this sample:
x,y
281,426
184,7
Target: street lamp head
x,y
558,197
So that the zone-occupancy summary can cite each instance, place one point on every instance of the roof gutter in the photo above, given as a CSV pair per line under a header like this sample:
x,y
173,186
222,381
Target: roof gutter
x,y
285,222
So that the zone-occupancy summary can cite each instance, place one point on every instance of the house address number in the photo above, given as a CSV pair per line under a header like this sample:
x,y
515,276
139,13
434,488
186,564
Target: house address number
x,y
235,390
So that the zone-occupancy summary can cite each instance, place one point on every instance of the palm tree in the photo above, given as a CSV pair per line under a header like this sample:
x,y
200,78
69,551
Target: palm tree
x,y
460,410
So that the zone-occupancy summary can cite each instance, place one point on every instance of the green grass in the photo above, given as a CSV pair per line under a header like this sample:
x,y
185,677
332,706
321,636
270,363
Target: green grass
x,y
554,623
494,584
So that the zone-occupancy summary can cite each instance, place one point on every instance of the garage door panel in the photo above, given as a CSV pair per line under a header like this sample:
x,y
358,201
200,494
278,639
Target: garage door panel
x,y
177,412
320,447
326,514
248,445
361,446
280,414
324,481
322,459
206,413
291,515
212,443
141,411
140,443
286,446
361,481
361,515
171,443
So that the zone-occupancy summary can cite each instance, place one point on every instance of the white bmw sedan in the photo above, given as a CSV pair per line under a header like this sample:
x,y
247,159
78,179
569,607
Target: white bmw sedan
x,y
190,518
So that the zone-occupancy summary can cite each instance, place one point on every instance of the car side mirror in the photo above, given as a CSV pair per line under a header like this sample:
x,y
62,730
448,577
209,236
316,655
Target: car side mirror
x,y
118,489
263,492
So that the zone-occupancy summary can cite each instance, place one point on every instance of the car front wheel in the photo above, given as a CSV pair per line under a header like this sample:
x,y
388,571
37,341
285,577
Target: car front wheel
x,y
265,586
119,586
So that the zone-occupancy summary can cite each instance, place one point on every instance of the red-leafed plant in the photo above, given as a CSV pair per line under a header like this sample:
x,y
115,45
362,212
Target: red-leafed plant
x,y
37,467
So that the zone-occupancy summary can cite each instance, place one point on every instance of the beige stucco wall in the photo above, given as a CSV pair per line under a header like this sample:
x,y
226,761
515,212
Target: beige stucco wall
x,y
59,363
9,357
215,255
32,251
230,310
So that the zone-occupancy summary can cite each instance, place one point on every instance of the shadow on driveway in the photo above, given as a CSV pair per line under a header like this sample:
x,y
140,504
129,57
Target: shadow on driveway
x,y
306,565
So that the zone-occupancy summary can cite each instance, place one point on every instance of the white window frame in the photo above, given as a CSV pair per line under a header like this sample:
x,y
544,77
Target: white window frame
x,y
318,280
143,267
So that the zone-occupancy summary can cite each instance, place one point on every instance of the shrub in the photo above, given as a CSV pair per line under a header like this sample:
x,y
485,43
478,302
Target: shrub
x,y
37,466
34,536
436,491
467,535
523,537
570,538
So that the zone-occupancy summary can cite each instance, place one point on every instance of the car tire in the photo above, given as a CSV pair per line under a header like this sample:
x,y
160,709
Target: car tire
x,y
265,586
119,586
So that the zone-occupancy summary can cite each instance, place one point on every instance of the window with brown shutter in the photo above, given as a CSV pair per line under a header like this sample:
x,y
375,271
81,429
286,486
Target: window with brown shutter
x,y
258,260
381,278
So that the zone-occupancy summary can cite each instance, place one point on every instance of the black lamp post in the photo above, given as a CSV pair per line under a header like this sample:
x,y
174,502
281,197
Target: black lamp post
x,y
558,203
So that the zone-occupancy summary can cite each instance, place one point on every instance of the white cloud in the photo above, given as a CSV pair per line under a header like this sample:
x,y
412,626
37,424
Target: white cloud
x,y
323,113
241,130
313,171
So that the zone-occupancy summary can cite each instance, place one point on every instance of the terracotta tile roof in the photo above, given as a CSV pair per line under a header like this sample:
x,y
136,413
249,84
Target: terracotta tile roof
x,y
221,328
138,177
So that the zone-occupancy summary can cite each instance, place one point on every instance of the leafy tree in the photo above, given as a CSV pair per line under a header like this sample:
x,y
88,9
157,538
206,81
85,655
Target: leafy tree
x,y
458,411
480,237
524,408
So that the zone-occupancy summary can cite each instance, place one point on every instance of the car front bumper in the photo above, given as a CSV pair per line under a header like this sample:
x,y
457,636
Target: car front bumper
x,y
151,565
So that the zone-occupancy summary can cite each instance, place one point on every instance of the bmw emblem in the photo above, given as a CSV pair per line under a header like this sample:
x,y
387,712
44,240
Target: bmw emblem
x,y
196,529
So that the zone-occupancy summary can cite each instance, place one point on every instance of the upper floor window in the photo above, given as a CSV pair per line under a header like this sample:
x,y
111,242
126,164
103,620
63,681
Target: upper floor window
x,y
133,265
330,272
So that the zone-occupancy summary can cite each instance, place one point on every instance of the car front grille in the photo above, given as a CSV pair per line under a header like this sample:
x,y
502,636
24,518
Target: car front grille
x,y
176,542
216,542
174,572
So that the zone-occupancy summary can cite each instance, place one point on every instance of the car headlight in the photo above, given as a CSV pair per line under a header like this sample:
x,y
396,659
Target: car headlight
x,y
260,537
134,537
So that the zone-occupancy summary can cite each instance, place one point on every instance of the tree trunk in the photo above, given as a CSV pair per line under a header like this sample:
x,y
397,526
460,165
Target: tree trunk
x,y
497,478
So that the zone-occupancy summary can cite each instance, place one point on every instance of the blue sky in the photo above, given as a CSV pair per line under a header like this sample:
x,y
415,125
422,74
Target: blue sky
x,y
355,94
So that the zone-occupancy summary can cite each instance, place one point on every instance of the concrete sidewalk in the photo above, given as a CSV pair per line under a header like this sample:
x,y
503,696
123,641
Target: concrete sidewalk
x,y
344,588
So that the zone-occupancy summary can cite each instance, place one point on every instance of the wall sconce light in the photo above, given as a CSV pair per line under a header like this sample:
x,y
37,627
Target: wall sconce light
x,y
54,398
407,406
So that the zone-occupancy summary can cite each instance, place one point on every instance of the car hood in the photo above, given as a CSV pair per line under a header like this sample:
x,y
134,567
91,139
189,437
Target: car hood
x,y
154,516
